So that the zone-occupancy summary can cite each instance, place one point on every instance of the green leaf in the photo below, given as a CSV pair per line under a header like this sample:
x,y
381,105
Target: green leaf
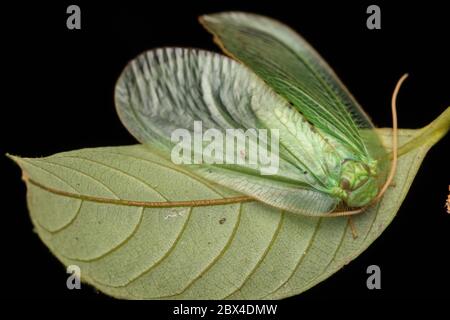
x,y
120,214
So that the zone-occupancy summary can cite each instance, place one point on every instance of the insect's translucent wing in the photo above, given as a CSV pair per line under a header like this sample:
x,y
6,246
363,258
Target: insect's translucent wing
x,y
164,90
294,70
278,194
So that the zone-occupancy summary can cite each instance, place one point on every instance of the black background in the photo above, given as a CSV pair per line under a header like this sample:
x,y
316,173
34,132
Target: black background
x,y
59,96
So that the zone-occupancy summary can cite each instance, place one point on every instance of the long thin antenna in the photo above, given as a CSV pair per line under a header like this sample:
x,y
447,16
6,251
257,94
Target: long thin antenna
x,y
394,138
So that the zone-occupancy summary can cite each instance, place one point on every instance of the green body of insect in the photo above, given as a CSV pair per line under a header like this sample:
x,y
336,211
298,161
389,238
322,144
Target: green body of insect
x,y
329,153
357,184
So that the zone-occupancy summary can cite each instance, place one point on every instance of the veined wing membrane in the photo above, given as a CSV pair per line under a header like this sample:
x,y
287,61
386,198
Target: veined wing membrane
x,y
168,89
294,70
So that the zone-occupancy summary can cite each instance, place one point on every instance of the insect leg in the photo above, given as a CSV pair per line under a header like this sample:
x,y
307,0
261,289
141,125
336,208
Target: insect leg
x,y
352,228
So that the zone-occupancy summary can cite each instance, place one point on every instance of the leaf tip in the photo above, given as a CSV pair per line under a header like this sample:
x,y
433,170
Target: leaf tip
x,y
18,160
14,158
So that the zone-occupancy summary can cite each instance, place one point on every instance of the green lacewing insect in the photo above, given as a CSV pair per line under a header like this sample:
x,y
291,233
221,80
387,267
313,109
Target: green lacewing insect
x,y
330,156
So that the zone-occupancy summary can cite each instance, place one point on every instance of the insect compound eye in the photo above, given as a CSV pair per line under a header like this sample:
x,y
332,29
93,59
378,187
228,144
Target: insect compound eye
x,y
345,184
